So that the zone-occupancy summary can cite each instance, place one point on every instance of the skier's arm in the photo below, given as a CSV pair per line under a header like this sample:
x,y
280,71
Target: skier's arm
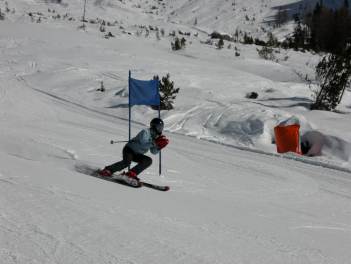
x,y
144,139
154,149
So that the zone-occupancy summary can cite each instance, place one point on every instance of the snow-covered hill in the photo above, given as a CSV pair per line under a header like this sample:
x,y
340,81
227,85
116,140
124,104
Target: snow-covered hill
x,y
219,78
233,202
228,16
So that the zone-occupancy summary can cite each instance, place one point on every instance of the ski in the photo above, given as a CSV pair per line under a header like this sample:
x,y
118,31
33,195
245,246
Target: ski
x,y
88,170
162,188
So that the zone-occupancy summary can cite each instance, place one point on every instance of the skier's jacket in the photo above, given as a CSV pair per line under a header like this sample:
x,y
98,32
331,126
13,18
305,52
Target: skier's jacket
x,y
143,142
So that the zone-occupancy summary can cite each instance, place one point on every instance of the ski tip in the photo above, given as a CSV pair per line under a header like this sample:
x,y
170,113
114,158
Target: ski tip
x,y
155,187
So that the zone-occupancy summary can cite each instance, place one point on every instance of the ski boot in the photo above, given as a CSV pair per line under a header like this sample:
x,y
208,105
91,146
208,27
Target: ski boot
x,y
105,173
130,178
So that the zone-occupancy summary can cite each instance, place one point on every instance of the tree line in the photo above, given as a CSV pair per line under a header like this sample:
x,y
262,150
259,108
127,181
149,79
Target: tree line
x,y
327,30
324,29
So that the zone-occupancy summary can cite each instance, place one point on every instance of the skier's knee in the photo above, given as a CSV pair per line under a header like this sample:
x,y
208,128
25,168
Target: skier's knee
x,y
147,162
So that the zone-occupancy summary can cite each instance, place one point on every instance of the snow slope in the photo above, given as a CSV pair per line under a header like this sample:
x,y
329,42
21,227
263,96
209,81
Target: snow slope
x,y
225,205
228,203
211,104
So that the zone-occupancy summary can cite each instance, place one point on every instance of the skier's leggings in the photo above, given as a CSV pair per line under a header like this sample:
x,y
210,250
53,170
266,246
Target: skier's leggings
x,y
129,155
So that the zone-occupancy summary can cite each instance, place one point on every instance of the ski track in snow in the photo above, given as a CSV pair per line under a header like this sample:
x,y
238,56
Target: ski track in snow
x,y
188,116
47,246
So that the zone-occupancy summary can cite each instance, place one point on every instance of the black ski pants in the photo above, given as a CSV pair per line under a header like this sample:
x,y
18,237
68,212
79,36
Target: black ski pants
x,y
129,155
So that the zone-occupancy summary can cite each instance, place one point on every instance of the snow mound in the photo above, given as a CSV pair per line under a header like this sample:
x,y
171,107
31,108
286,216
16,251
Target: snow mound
x,y
326,145
228,124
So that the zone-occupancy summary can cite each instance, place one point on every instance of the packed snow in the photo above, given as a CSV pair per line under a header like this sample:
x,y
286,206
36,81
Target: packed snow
x,y
233,199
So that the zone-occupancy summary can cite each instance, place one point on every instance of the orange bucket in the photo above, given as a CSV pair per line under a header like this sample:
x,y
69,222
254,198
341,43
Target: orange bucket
x,y
287,138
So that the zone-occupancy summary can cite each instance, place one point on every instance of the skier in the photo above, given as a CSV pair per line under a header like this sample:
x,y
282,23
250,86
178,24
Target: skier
x,y
147,139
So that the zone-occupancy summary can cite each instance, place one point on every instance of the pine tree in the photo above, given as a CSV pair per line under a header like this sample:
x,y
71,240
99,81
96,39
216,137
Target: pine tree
x,y
272,40
334,74
176,45
2,15
236,36
299,36
248,39
220,43
182,43
167,92
281,17
328,29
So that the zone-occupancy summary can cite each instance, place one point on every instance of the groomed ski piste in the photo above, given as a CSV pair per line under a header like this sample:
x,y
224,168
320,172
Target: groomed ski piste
x,y
232,198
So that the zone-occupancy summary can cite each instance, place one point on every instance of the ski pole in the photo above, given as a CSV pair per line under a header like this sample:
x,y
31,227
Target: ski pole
x,y
118,141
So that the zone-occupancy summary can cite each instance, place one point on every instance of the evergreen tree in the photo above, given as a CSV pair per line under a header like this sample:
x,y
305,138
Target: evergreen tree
x,y
281,17
167,93
328,30
248,39
2,15
182,42
236,36
272,40
334,74
220,43
342,27
266,53
299,37
178,43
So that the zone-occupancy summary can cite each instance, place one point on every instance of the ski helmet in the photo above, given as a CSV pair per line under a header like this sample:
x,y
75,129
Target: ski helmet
x,y
157,125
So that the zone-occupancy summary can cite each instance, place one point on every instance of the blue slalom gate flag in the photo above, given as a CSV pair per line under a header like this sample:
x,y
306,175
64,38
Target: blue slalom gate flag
x,y
143,92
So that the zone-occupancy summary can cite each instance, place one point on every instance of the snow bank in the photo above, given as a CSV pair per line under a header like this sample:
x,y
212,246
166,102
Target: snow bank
x,y
327,145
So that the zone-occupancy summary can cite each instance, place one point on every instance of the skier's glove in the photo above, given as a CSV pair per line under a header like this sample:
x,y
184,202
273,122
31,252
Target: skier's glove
x,y
161,142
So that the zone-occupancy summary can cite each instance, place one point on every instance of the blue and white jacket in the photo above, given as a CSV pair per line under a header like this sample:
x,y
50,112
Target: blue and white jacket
x,y
143,142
